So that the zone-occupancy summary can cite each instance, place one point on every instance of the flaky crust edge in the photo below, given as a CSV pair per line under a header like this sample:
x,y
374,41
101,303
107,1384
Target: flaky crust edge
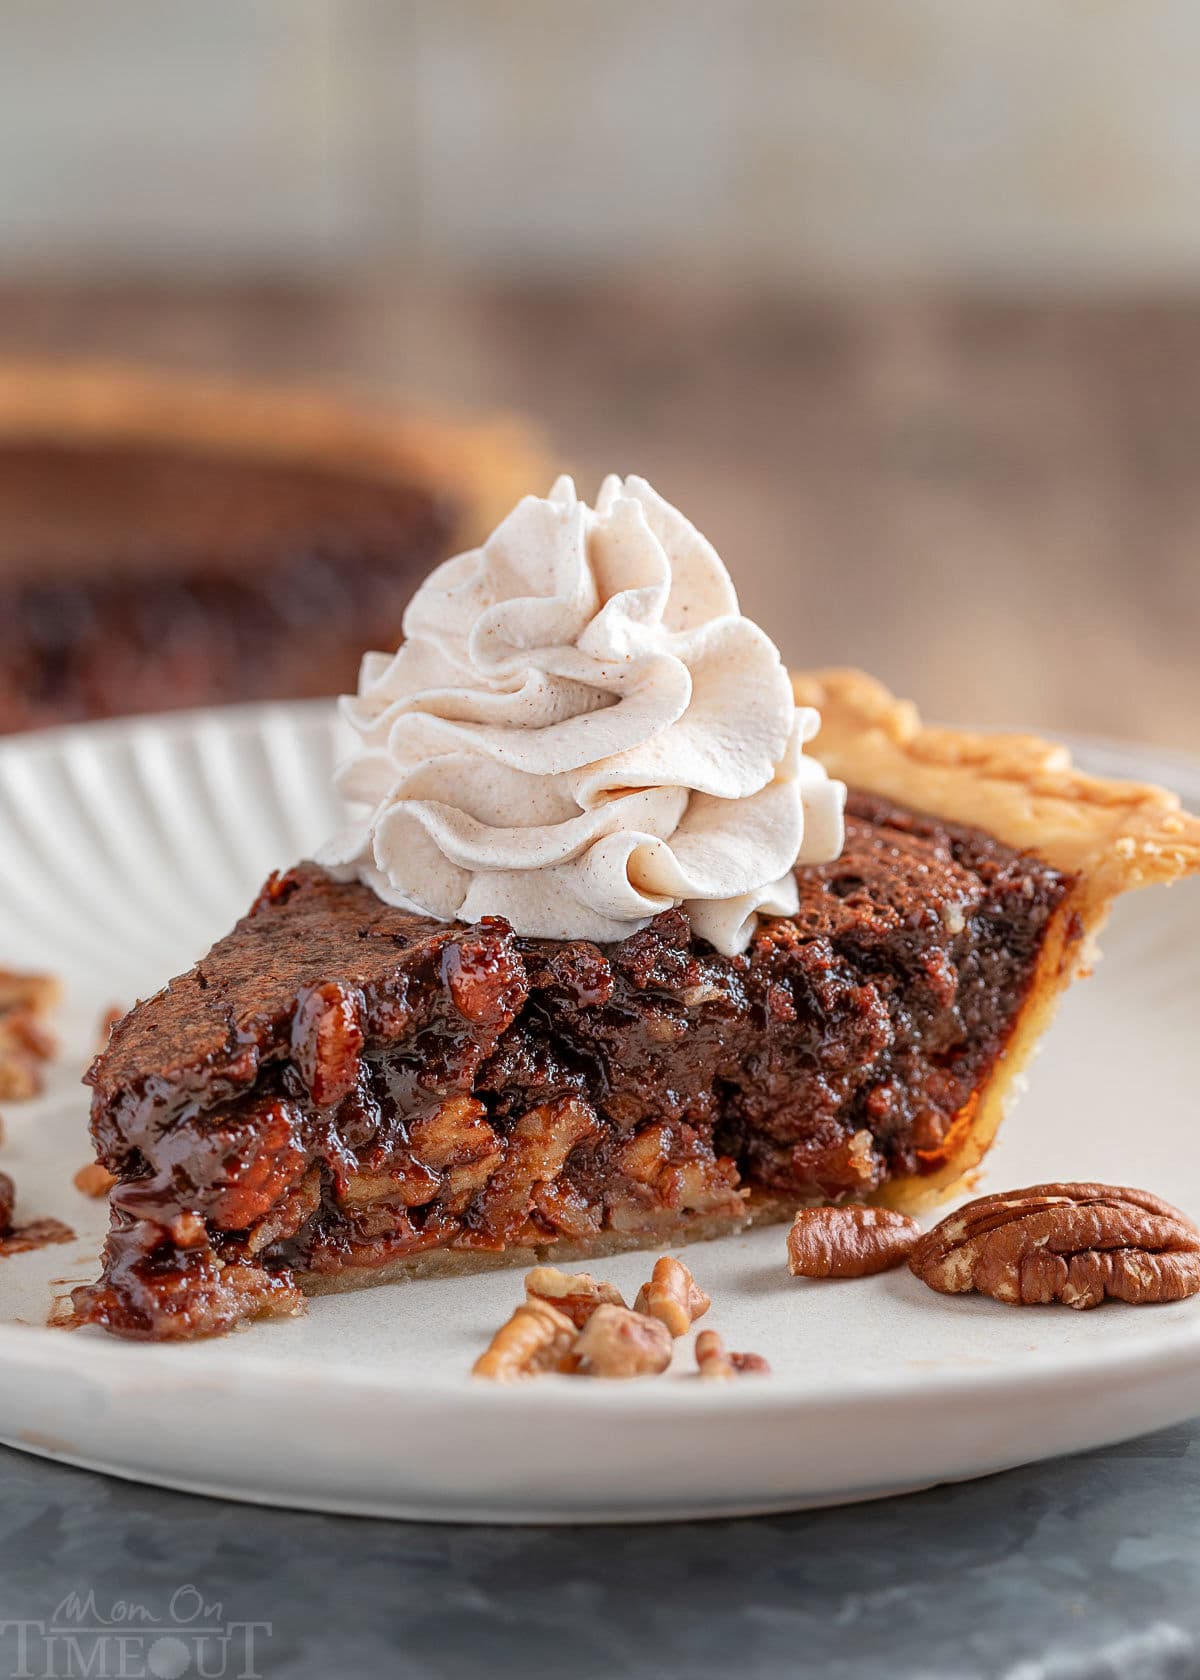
x,y
483,466
1023,790
1110,836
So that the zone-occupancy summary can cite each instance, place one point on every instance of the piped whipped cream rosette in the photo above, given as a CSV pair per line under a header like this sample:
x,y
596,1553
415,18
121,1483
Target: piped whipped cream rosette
x,y
582,730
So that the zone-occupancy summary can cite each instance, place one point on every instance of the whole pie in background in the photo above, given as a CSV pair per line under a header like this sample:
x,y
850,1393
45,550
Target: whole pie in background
x,y
169,541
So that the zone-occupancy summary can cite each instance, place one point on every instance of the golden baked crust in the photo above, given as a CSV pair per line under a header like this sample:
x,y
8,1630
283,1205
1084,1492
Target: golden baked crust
x,y
483,466
1023,790
464,1262
1111,836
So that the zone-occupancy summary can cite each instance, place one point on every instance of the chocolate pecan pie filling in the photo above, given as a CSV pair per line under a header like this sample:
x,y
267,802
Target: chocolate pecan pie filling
x,y
342,1091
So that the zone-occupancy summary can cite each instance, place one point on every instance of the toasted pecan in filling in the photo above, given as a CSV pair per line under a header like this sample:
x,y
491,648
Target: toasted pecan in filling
x,y
341,1091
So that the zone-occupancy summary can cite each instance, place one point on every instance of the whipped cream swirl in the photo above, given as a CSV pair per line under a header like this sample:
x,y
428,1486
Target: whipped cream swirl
x,y
581,730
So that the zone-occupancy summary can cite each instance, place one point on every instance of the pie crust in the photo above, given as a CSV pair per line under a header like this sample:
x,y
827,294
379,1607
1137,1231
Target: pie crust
x,y
1111,836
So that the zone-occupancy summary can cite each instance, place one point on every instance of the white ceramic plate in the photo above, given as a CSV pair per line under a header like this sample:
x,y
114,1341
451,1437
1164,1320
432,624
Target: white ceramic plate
x,y
125,849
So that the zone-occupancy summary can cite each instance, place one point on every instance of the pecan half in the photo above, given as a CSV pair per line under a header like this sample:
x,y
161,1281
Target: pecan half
x,y
848,1242
1076,1243
577,1294
672,1296
713,1362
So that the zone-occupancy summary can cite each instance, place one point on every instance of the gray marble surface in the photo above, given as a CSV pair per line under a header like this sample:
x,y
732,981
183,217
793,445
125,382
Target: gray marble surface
x,y
1086,1568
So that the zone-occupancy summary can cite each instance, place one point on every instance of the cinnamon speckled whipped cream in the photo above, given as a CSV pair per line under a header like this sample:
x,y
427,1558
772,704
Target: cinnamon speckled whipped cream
x,y
582,730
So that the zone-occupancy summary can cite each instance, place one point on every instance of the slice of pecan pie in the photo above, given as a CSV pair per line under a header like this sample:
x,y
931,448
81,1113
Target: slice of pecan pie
x,y
343,1092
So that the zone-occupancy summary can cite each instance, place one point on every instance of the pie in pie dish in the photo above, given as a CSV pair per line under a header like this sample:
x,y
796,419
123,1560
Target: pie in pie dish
x,y
169,541
344,1092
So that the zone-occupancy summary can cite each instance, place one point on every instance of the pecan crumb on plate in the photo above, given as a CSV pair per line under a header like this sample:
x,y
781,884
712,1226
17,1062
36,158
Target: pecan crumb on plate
x,y
714,1362
848,1241
536,1338
672,1296
577,1294
616,1342
1079,1244
94,1180
26,1002
579,1325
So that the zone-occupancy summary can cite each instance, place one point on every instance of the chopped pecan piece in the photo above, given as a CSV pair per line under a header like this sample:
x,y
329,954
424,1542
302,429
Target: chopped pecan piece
x,y
37,993
715,1363
8,1198
407,1183
289,1213
848,1241
618,1343
26,1001
536,1152
458,1131
536,1338
94,1180
577,1294
268,1160
645,1154
847,1164
566,1208
1075,1243
673,1296
108,1021
327,1040
486,979
458,1142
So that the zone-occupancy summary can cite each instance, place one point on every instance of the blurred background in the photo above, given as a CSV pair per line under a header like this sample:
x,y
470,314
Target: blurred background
x,y
900,303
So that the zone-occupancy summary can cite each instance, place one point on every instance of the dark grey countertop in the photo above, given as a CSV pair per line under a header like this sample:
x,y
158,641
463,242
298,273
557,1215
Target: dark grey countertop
x,y
1087,1568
